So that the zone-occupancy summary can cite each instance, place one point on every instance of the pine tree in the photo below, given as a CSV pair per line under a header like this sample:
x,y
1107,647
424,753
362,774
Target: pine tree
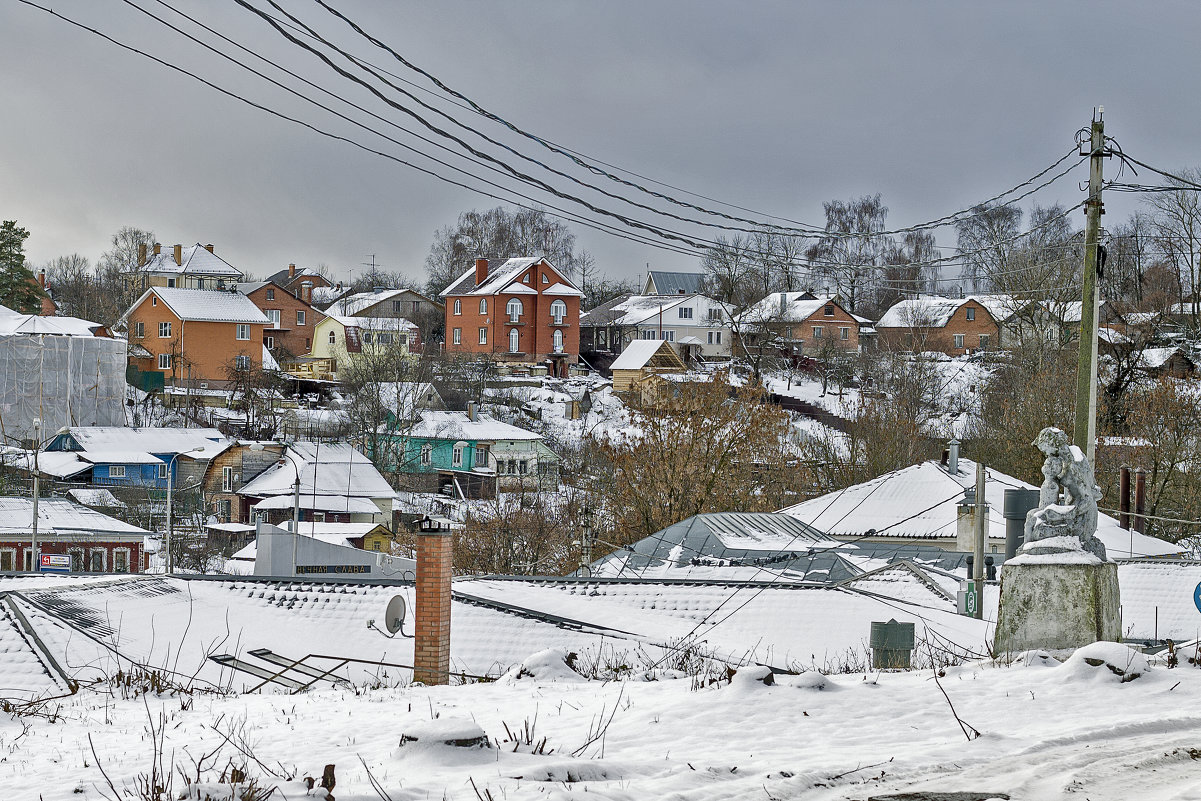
x,y
19,289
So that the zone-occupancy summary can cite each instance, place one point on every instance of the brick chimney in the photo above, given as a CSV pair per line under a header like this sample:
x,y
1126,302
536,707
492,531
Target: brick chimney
x,y
209,248
157,248
431,645
179,255
481,271
306,292
141,253
42,278
291,270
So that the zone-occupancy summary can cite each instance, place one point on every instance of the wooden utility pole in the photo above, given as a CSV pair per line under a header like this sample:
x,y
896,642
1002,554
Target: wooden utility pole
x,y
1085,434
981,533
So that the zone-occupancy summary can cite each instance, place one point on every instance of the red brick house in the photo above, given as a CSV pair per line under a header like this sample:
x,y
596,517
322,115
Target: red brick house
x,y
95,542
805,322
953,326
195,335
525,312
292,317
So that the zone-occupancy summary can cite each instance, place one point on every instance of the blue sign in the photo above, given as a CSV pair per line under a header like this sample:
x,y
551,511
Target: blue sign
x,y
1197,597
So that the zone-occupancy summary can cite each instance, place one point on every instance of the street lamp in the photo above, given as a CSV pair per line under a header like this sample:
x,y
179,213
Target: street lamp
x,y
170,487
37,447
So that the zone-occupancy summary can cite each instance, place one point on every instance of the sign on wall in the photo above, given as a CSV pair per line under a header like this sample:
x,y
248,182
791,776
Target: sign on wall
x,y
54,563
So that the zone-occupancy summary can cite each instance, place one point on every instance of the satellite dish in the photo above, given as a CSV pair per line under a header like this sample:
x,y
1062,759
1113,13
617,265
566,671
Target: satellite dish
x,y
394,617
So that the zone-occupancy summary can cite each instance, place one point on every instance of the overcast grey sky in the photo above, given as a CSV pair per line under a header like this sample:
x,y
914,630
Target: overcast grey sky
x,y
772,106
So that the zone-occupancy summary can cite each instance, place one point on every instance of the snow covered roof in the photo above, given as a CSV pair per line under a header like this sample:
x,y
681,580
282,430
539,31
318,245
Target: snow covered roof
x,y
350,305
637,354
326,469
497,278
344,530
459,426
320,503
560,288
668,283
1154,358
59,516
926,311
797,307
207,305
196,260
1000,306
638,309
36,324
115,439
96,496
375,323
920,502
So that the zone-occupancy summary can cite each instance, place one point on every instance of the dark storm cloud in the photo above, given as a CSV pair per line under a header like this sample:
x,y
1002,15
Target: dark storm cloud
x,y
773,106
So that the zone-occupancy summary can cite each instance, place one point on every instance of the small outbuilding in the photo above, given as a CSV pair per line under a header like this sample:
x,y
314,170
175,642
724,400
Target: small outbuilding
x,y
643,358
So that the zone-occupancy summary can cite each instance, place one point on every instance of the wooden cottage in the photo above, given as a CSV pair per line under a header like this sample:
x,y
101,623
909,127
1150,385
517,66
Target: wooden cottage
x,y
642,358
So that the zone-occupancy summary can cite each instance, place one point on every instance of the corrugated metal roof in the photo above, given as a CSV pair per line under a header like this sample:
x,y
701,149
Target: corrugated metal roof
x,y
666,283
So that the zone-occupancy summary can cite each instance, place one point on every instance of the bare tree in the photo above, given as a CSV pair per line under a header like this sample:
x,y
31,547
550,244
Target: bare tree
x,y
850,256
984,240
1176,221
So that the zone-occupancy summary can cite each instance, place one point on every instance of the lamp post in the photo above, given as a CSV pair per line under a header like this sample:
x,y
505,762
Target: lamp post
x,y
37,446
170,488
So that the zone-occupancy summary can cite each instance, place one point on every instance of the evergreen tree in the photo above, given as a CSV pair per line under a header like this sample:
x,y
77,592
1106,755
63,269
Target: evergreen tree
x,y
19,289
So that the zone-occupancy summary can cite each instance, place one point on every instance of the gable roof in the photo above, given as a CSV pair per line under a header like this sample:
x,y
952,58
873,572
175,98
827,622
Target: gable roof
x,y
350,305
325,469
205,305
196,260
108,440
59,516
640,352
281,276
459,426
925,311
496,279
793,307
667,283
637,309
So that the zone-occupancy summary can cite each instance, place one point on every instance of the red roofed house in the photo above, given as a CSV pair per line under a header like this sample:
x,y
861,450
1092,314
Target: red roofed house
x,y
525,312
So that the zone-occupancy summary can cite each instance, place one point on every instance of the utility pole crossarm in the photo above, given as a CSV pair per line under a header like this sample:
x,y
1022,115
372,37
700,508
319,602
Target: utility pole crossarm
x,y
1084,435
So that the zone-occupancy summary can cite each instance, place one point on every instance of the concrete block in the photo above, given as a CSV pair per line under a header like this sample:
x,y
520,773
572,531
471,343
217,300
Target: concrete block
x,y
1057,605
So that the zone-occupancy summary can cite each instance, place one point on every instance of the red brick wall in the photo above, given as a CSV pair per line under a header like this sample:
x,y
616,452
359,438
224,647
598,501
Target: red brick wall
x,y
296,339
431,645
535,328
830,326
135,549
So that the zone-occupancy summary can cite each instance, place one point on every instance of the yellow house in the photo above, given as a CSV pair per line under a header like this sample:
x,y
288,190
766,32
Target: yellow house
x,y
339,340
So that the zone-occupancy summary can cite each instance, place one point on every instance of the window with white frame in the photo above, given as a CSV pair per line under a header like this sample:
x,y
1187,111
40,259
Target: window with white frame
x,y
558,310
270,343
227,479
8,559
243,331
648,333
514,308
514,341
270,294
710,337
427,454
457,336
162,471
685,312
557,340
120,560
971,313
383,338
959,340
164,330
844,332
669,336
116,471
818,331
97,560
456,455
273,316
76,555
481,455
483,305
164,361
483,336
458,305
139,329
242,362
714,314
300,316
829,310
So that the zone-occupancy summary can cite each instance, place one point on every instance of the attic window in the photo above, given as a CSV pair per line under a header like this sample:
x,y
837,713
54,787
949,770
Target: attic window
x,y
525,279
153,300
545,280
829,312
971,314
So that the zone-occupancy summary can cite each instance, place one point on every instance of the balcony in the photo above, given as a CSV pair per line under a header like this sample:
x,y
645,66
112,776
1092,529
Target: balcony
x,y
560,322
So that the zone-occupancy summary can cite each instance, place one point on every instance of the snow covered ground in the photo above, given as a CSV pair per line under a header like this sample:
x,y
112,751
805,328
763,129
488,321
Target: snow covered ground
x,y
1046,731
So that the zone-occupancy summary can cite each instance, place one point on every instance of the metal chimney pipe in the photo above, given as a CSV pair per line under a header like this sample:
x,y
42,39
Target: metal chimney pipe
x,y
953,457
1017,504
1140,500
1124,497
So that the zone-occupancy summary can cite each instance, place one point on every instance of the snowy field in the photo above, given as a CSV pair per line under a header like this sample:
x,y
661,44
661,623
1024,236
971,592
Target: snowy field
x,y
1046,731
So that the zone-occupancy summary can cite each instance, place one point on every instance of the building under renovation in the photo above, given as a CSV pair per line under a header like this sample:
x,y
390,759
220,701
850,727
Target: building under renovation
x,y
56,369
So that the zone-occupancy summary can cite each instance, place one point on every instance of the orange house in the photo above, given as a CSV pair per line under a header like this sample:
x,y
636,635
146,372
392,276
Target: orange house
x,y
195,336
525,312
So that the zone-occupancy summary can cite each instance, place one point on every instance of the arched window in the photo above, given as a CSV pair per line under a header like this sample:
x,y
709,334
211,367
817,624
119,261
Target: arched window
x,y
458,305
558,310
333,338
558,340
513,309
483,305
514,341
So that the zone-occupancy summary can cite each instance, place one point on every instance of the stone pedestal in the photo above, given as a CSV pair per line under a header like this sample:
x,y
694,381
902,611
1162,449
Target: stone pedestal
x,y
1056,604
